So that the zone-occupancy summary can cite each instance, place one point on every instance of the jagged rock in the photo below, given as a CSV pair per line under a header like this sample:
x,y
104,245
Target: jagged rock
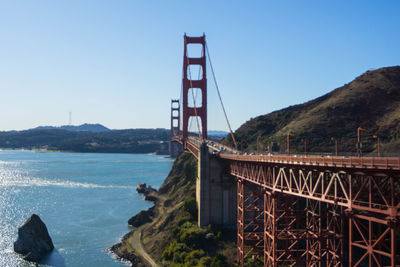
x,y
33,240
151,198
141,218
141,188
144,189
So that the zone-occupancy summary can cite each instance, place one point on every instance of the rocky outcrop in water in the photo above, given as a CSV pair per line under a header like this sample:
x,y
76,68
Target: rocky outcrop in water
x,y
33,240
144,189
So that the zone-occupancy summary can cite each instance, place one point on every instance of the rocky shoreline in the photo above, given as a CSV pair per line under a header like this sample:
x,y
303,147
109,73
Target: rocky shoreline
x,y
126,256
141,218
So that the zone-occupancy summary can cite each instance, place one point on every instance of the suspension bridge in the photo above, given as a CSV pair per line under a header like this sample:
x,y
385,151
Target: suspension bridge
x,y
289,210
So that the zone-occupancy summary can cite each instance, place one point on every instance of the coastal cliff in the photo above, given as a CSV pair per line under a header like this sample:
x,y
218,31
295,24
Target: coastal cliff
x,y
169,234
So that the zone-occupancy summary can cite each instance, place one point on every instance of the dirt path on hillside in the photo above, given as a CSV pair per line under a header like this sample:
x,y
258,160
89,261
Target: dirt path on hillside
x,y
136,242
162,214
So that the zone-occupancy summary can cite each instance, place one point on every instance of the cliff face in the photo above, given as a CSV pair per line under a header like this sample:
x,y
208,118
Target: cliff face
x,y
179,186
371,101
172,237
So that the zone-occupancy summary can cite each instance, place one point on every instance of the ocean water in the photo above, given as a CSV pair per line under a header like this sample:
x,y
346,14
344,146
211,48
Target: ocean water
x,y
84,199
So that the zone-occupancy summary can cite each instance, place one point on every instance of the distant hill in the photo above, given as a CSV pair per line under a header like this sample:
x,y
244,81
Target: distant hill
x,y
218,133
95,128
111,141
371,101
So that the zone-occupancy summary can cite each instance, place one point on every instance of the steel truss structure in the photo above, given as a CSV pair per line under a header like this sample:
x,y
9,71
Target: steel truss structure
x,y
306,208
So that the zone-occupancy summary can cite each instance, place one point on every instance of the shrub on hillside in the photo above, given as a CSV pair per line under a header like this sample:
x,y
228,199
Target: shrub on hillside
x,y
193,236
218,261
190,171
190,206
173,249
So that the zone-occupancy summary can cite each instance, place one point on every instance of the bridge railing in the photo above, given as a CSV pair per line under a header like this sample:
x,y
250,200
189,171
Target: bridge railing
x,y
331,161
314,160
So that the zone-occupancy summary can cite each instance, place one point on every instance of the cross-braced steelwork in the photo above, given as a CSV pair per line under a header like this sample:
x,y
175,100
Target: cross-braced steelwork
x,y
284,234
324,223
371,199
250,220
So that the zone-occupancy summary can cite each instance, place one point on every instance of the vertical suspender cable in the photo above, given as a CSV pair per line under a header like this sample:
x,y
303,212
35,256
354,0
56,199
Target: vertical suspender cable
x,y
220,99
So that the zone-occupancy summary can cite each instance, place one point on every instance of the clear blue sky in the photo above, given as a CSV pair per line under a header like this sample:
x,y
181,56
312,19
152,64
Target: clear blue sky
x,y
119,62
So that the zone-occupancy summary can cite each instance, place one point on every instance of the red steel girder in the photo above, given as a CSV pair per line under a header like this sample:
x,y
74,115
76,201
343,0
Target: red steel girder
x,y
367,190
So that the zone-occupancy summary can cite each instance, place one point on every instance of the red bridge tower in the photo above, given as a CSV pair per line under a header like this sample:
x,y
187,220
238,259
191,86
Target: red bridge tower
x,y
189,83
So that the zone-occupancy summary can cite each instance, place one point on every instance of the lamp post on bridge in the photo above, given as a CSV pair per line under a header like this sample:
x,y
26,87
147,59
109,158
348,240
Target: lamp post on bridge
x,y
336,145
379,145
358,140
288,141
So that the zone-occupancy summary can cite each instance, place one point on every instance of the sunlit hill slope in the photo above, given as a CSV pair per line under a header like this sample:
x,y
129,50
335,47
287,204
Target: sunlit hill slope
x,y
371,101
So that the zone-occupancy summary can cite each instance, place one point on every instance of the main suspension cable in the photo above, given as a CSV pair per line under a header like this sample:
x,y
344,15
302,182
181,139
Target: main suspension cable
x,y
220,98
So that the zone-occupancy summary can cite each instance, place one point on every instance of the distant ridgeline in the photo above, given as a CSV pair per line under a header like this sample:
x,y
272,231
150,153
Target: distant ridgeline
x,y
88,138
92,138
371,101
96,128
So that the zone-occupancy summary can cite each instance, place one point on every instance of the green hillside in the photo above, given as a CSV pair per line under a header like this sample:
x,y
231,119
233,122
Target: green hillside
x,y
172,236
371,101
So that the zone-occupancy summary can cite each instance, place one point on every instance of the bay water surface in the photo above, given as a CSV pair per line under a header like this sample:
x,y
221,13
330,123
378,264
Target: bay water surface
x,y
85,199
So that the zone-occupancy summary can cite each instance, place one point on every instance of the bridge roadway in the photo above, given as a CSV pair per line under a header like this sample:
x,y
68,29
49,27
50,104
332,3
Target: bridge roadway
x,y
366,188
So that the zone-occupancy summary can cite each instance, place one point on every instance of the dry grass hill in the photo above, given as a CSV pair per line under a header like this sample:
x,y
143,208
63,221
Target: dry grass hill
x,y
371,101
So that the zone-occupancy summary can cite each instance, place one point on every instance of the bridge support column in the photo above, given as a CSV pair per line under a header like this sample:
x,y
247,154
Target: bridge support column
x,y
334,235
284,236
324,223
374,239
250,221
270,237
215,191
269,227
315,242
240,222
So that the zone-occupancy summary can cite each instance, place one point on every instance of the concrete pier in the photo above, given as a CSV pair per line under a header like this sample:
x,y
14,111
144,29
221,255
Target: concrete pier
x,y
216,194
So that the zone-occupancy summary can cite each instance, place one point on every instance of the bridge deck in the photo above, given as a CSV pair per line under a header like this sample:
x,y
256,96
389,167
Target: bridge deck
x,y
224,152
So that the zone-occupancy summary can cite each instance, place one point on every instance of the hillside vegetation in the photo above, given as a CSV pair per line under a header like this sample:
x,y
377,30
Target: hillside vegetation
x,y
371,101
172,238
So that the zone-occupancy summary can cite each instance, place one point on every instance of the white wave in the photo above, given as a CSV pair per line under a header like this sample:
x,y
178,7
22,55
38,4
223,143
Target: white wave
x,y
44,183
